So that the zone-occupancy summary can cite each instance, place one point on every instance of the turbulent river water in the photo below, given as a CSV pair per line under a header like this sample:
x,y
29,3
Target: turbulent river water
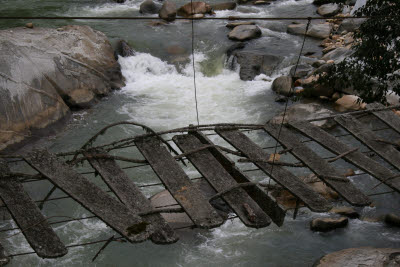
x,y
160,95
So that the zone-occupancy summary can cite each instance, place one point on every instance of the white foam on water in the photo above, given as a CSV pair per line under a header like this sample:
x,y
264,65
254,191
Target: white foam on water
x,y
110,8
165,98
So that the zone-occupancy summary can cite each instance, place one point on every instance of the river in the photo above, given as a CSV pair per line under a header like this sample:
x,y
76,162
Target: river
x,y
162,96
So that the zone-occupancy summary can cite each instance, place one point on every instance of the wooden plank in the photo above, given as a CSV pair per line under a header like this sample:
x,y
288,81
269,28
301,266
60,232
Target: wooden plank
x,y
4,259
356,158
221,180
28,217
129,194
386,116
178,184
366,136
265,200
286,179
108,209
318,165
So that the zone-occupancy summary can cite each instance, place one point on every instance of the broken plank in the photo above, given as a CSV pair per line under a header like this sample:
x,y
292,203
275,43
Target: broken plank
x,y
28,217
221,180
367,137
356,158
178,184
387,116
318,165
265,200
286,179
129,194
105,207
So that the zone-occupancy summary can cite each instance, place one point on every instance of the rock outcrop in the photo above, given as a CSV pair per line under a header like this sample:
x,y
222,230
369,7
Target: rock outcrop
x,y
45,72
244,32
168,11
320,31
255,63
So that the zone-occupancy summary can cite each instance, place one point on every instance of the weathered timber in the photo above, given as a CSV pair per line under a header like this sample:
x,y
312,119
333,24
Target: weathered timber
x,y
366,136
129,194
105,207
286,179
356,158
178,183
221,180
265,200
4,259
318,165
28,217
386,116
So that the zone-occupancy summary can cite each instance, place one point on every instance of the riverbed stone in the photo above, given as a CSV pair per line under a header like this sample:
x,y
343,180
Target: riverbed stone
x,y
328,224
346,211
338,54
149,7
224,6
349,103
363,256
168,11
392,219
244,32
320,31
301,70
350,25
328,10
283,85
193,8
253,63
123,49
46,71
232,25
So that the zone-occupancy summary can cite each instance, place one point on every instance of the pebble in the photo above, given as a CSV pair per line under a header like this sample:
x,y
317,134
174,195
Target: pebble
x,y
29,25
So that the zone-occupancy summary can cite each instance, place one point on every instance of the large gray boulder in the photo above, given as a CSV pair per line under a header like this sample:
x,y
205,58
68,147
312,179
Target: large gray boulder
x,y
338,55
256,63
300,71
149,7
328,10
364,256
45,72
224,6
350,25
244,32
283,85
320,31
168,11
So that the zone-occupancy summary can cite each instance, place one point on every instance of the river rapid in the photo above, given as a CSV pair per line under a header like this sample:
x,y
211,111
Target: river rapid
x,y
159,93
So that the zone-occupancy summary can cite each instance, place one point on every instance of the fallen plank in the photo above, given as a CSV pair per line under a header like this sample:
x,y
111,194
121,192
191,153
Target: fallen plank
x,y
178,184
366,136
28,217
356,158
286,179
105,207
318,165
4,259
266,202
129,194
221,180
387,116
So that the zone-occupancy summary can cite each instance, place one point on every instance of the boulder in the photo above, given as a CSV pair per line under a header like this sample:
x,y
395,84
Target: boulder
x,y
244,32
318,63
232,25
255,63
233,48
149,7
301,70
123,49
283,85
346,211
261,2
29,25
168,11
298,29
224,6
328,10
46,71
328,224
364,256
320,31
350,25
349,103
197,8
392,219
119,1
338,54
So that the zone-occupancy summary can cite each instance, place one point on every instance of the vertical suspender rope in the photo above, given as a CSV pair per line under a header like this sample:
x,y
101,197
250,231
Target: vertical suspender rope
x,y
194,69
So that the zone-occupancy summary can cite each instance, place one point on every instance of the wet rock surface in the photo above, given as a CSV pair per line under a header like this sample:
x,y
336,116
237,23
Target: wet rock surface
x,y
244,32
328,224
254,63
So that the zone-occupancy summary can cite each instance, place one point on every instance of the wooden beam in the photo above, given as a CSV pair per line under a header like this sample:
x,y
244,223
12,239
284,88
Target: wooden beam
x,y
28,217
356,158
178,184
221,180
105,207
286,179
129,194
318,165
387,116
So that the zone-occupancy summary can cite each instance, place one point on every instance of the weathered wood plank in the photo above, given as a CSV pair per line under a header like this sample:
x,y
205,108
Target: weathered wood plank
x,y
129,194
108,209
318,165
220,180
366,136
4,259
386,116
266,201
178,184
286,179
28,217
357,158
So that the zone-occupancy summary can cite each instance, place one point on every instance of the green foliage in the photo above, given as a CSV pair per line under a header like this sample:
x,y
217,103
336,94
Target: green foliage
x,y
374,68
